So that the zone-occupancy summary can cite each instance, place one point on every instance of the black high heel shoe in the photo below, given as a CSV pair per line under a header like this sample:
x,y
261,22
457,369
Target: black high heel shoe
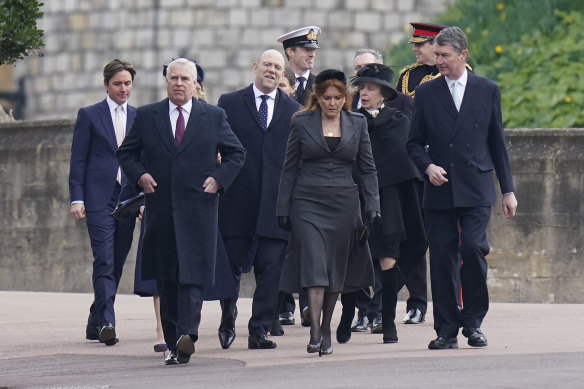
x,y
325,351
313,348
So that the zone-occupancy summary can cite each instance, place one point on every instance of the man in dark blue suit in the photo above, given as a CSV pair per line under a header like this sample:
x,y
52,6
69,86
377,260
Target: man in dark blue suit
x,y
95,181
457,140
171,153
260,117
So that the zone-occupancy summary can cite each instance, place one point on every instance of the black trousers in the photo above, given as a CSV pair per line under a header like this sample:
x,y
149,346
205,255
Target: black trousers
x,y
180,311
267,256
453,233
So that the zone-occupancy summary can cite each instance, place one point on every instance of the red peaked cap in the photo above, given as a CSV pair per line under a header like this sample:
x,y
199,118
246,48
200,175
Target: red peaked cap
x,y
424,32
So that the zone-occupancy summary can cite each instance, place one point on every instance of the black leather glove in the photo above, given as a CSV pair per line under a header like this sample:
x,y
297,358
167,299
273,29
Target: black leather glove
x,y
371,219
284,223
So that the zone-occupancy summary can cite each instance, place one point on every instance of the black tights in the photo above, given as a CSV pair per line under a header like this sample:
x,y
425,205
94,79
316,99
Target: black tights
x,y
321,301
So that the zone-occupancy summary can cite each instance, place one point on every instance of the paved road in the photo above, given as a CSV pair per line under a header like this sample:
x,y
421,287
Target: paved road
x,y
42,346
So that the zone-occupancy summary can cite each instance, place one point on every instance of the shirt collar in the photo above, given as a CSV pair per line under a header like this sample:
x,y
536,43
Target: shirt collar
x,y
186,107
257,93
462,79
306,74
112,104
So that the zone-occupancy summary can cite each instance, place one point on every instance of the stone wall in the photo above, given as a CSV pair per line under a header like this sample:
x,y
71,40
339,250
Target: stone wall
x,y
535,257
225,36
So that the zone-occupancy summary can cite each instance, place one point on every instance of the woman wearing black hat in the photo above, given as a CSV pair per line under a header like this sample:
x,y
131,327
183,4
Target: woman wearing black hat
x,y
400,237
318,201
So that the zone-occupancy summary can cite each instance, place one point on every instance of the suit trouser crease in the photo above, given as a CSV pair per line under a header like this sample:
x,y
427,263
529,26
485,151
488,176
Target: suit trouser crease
x,y
111,241
446,245
267,255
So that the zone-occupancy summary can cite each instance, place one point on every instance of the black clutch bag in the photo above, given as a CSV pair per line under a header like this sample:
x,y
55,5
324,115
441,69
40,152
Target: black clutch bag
x,y
129,208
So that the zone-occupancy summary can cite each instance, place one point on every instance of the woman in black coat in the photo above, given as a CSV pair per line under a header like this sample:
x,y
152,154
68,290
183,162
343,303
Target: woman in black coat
x,y
318,201
400,237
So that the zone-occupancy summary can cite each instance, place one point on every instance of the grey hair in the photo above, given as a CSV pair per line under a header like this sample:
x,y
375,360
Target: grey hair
x,y
186,62
375,53
454,37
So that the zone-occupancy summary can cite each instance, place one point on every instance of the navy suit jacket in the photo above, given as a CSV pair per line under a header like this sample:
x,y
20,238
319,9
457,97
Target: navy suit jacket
x,y
94,166
469,144
249,207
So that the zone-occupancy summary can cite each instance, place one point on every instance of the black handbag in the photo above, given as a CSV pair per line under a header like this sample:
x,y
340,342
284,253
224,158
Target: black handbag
x,y
129,208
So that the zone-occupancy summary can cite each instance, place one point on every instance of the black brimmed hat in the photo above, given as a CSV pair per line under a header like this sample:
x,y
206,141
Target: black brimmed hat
x,y
303,37
424,32
376,73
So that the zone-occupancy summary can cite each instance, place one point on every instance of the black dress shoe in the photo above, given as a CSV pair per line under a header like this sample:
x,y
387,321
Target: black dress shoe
x,y
377,325
475,336
226,337
443,343
107,335
286,319
91,332
361,324
276,329
260,341
185,347
171,358
414,316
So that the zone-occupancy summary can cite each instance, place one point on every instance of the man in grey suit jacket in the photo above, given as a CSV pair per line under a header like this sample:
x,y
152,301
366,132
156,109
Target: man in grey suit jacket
x,y
171,153
457,140
247,213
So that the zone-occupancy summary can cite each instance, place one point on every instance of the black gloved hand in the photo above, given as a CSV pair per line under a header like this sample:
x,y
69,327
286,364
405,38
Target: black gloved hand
x,y
371,219
284,223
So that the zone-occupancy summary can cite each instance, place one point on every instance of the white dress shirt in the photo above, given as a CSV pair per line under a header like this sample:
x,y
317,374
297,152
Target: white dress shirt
x,y
173,113
460,88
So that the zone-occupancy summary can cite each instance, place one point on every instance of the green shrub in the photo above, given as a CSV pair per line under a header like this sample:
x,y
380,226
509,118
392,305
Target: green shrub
x,y
18,30
530,48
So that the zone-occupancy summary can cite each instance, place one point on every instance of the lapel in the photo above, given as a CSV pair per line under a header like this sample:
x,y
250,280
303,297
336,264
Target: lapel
x,y
465,108
309,84
130,117
196,119
314,128
348,130
108,125
249,99
163,126
445,97
277,112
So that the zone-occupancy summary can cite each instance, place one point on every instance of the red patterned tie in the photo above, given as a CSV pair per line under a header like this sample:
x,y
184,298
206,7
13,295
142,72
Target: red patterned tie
x,y
180,127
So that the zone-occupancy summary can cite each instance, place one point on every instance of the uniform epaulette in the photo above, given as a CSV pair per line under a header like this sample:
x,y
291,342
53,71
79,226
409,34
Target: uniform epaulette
x,y
468,66
410,67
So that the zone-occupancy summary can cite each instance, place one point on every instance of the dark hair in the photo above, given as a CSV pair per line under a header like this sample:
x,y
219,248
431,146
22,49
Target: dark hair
x,y
454,37
321,87
117,65
290,76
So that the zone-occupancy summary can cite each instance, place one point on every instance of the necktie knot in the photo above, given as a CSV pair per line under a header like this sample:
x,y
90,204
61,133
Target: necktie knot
x,y
300,91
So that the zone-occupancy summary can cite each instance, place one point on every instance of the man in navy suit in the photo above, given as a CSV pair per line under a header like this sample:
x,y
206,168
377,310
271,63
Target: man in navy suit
x,y
171,153
95,181
260,117
457,140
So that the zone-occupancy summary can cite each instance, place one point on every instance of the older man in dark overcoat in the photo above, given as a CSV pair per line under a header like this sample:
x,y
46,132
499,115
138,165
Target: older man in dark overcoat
x,y
260,117
179,138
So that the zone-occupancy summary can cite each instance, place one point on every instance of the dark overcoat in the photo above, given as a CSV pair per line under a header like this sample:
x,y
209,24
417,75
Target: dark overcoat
x,y
249,208
469,144
180,241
